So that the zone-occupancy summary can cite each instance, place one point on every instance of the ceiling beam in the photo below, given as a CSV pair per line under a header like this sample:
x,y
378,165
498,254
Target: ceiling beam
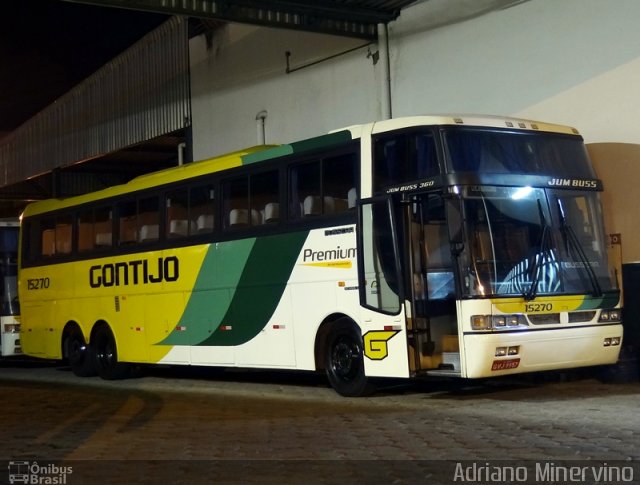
x,y
349,19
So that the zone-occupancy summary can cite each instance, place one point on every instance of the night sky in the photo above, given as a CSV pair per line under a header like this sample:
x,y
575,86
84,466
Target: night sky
x,y
49,46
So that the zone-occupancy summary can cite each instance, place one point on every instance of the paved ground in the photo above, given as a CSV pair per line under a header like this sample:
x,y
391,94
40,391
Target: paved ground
x,y
199,426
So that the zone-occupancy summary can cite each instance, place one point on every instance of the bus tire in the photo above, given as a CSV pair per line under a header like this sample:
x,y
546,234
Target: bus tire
x,y
79,354
106,355
344,361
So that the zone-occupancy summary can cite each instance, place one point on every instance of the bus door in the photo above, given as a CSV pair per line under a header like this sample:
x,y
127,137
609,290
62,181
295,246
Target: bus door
x,y
431,312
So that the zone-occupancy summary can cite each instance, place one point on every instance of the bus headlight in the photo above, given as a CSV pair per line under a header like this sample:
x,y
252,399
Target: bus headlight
x,y
614,315
497,322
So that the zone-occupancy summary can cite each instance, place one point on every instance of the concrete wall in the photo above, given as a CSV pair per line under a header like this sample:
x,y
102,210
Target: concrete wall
x,y
575,62
243,72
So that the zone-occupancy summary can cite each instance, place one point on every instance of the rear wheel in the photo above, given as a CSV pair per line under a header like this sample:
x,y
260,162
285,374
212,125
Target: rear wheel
x,y
79,354
344,361
106,355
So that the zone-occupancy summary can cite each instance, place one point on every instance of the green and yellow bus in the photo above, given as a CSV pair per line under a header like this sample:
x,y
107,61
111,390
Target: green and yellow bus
x,y
432,245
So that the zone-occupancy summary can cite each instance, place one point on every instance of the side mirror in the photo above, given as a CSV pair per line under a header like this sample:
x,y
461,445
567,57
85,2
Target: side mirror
x,y
454,217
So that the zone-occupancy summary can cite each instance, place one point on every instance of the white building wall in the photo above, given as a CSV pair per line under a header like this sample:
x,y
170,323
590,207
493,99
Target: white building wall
x,y
244,72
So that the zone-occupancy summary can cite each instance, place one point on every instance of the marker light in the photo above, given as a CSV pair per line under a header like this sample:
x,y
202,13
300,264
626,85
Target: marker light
x,y
501,351
613,315
11,327
481,322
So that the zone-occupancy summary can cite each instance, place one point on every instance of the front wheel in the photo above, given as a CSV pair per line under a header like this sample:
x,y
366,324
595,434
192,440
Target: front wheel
x,y
104,345
344,361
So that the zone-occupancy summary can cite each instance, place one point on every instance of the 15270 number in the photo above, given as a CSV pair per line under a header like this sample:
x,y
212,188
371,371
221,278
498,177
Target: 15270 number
x,y
538,307
38,283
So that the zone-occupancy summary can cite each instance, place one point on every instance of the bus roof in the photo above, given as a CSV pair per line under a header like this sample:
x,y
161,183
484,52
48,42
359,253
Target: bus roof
x,y
488,121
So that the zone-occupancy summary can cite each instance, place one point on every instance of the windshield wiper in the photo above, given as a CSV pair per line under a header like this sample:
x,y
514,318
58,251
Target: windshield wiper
x,y
572,241
538,259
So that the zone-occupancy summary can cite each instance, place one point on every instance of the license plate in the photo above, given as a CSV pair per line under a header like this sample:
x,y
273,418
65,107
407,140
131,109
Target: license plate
x,y
505,364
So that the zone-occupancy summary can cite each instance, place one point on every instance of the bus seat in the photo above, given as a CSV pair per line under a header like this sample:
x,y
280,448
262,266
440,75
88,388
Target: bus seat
x,y
311,206
340,205
238,218
178,227
204,223
352,196
103,239
271,212
256,217
149,232
329,204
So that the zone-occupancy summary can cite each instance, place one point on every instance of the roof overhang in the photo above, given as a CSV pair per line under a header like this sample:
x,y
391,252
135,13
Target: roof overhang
x,y
351,18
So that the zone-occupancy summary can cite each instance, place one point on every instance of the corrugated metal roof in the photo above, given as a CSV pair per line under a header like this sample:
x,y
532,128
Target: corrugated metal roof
x,y
356,18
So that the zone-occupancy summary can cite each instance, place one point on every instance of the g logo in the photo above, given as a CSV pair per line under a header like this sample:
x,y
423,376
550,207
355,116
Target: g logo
x,y
375,343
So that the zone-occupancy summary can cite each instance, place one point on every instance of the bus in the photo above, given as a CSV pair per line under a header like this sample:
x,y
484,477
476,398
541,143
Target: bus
x,y
9,307
454,246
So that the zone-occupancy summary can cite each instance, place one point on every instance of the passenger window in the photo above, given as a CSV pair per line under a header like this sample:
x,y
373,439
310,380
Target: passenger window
x,y
86,239
63,234
201,203
128,226
236,203
103,227
265,207
339,183
48,237
177,224
304,191
148,219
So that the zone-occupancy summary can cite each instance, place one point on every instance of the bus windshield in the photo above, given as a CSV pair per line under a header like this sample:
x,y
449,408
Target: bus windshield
x,y
524,241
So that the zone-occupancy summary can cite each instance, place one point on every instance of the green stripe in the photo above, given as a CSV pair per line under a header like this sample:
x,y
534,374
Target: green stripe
x,y
324,141
609,300
209,302
260,289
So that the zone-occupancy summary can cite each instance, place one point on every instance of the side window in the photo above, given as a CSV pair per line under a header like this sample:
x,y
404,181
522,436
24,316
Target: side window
x,y
201,209
404,157
48,237
324,187
339,183
264,198
177,223
103,227
148,219
31,237
55,235
127,223
235,206
86,237
63,234
304,190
